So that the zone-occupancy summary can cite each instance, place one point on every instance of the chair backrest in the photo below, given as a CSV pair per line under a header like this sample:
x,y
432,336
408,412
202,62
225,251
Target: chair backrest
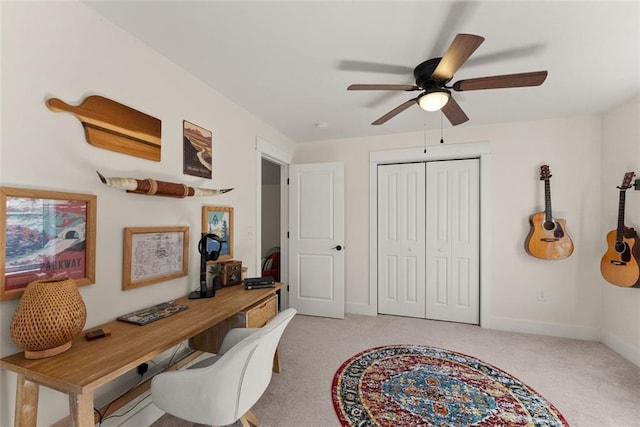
x,y
259,366
222,392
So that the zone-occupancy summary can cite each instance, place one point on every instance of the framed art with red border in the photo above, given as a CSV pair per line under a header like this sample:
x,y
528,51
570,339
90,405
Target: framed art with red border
x,y
47,234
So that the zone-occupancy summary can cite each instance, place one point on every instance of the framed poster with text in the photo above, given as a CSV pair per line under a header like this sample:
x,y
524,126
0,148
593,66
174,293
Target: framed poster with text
x,y
197,150
47,234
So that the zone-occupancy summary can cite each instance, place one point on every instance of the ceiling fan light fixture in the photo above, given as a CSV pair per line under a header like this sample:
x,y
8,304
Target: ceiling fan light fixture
x,y
434,99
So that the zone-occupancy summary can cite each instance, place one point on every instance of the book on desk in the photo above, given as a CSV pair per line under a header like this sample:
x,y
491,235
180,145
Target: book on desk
x,y
150,314
259,282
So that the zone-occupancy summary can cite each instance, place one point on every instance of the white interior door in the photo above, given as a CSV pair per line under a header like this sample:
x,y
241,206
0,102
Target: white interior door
x,y
316,239
401,239
453,241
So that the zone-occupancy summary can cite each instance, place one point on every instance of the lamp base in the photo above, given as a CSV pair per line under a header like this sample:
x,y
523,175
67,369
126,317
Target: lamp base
x,y
41,354
210,293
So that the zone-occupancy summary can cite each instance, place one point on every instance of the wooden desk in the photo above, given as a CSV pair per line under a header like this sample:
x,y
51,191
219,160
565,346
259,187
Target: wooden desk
x,y
91,364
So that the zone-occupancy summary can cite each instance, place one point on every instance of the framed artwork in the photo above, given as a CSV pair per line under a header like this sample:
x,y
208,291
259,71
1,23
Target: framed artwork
x,y
154,254
218,220
47,234
197,151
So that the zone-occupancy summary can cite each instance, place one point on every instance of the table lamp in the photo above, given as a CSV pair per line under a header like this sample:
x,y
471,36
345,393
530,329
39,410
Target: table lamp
x,y
50,313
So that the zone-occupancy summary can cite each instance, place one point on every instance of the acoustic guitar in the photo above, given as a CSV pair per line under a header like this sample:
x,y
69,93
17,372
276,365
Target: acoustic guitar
x,y
619,265
548,238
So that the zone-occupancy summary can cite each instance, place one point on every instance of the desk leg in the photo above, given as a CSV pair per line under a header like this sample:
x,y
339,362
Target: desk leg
x,y
26,413
81,409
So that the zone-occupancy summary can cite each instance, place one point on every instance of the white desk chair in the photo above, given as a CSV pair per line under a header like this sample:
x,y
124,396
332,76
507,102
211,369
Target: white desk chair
x,y
222,389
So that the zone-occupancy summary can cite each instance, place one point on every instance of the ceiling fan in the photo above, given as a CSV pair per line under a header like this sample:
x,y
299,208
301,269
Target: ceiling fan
x,y
433,75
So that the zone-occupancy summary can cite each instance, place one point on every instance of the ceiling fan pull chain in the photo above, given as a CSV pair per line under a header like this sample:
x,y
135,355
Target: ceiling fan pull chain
x,y
441,139
425,136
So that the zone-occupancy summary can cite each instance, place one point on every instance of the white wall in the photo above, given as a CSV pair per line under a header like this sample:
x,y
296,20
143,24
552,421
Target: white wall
x,y
65,50
571,146
620,154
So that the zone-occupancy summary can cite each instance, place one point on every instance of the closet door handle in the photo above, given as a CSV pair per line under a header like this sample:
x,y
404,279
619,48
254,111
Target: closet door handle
x,y
337,248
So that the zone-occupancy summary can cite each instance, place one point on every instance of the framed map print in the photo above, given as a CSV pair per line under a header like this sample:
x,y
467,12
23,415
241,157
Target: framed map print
x,y
154,254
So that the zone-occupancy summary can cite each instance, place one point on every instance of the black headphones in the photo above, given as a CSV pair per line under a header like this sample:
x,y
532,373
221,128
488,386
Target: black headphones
x,y
203,247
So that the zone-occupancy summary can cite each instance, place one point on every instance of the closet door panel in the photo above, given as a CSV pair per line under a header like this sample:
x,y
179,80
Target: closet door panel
x,y
401,239
452,235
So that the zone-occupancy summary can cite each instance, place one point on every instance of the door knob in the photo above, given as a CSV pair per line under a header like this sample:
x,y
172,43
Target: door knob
x,y
337,248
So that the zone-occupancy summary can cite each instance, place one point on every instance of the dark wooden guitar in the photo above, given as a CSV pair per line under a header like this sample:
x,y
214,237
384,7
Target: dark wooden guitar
x,y
548,238
619,265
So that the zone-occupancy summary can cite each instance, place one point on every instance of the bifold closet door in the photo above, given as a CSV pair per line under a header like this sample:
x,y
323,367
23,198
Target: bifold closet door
x,y
453,241
401,239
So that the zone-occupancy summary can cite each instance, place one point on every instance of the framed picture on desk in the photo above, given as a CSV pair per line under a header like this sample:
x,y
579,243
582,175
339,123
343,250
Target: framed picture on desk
x,y
218,220
46,234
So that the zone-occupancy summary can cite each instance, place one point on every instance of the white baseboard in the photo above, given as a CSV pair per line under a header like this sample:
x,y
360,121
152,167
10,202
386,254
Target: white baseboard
x,y
141,411
144,415
542,328
355,308
624,349
510,324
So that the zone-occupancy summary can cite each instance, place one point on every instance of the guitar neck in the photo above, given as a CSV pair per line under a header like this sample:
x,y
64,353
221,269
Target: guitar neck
x,y
547,200
620,230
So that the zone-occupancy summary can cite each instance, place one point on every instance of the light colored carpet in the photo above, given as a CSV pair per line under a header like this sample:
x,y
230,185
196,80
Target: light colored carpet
x,y
589,384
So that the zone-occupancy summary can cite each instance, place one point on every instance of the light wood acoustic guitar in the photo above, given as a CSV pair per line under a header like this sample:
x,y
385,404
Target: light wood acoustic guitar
x,y
619,265
548,238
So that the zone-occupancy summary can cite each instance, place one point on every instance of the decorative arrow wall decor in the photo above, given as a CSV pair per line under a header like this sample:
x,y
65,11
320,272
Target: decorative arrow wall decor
x,y
151,187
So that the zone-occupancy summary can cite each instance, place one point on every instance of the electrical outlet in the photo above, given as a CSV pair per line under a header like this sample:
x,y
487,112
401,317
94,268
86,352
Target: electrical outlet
x,y
143,368
542,295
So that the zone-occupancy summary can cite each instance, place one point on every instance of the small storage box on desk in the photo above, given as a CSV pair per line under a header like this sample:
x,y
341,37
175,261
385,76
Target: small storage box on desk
x,y
231,273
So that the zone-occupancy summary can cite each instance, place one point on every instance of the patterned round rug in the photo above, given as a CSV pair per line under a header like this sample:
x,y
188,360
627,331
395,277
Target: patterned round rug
x,y
407,385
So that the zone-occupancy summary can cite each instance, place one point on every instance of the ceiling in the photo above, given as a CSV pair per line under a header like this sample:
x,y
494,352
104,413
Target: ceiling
x,y
290,62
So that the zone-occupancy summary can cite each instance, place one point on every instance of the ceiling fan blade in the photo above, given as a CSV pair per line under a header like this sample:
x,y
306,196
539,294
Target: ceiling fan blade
x,y
506,54
454,112
461,48
535,78
457,17
399,109
382,87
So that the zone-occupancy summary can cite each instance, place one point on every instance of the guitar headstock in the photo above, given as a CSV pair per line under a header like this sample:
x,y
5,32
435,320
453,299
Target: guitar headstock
x,y
626,182
545,172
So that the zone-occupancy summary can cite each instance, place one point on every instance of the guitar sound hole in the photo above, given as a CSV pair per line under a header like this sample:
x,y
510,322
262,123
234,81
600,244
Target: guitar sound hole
x,y
549,225
620,247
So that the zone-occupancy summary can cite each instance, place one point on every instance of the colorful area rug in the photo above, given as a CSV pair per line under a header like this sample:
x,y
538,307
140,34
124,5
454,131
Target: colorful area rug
x,y
402,385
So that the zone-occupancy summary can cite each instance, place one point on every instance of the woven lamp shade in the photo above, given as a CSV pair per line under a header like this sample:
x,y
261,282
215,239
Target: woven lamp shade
x,y
50,313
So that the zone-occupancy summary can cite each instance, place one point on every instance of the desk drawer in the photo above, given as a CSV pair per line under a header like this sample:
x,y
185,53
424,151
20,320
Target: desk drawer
x,y
258,315
255,316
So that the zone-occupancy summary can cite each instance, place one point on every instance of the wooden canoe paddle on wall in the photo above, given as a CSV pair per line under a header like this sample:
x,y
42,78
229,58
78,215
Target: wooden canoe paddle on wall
x,y
116,127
